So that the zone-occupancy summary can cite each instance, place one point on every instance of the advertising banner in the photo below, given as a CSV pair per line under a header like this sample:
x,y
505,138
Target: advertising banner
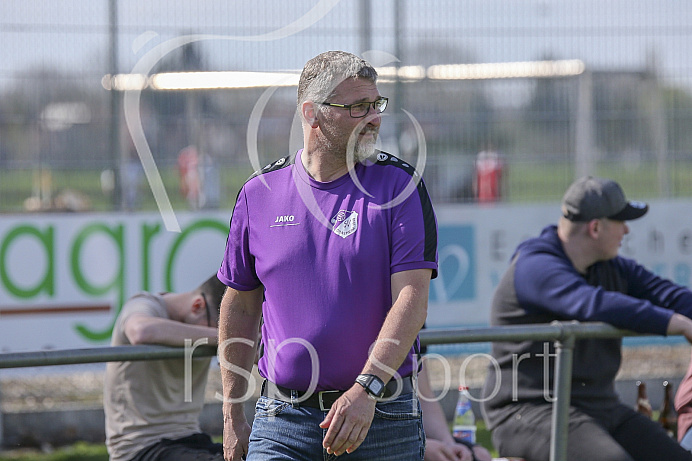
x,y
64,277
477,242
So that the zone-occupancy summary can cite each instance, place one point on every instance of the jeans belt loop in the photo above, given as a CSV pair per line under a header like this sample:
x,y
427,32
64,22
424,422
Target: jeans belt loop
x,y
320,399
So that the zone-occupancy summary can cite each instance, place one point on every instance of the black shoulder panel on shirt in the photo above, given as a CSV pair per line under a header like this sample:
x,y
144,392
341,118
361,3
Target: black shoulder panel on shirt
x,y
276,165
383,158
430,251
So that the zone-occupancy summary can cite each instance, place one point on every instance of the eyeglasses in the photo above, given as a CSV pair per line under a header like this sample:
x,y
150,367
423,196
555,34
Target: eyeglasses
x,y
361,109
206,308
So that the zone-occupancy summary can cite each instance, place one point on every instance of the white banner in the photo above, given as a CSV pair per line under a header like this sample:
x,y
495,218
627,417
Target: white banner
x,y
63,278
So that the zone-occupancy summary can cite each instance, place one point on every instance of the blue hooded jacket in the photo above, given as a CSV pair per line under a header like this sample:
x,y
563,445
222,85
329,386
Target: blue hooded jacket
x,y
541,286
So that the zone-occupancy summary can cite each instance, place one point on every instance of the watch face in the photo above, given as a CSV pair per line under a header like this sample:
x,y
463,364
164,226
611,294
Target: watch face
x,y
376,387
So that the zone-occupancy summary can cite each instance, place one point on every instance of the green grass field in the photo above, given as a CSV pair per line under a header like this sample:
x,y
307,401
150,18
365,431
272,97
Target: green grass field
x,y
18,185
526,183
97,452
547,182
78,452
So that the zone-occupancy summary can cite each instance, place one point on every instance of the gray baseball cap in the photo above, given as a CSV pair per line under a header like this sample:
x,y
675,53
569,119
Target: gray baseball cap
x,y
594,198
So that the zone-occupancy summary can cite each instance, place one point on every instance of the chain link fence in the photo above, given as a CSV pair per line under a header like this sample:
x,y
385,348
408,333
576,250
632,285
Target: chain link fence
x,y
475,75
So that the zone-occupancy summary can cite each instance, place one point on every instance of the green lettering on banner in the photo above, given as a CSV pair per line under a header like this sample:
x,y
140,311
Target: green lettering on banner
x,y
47,283
117,283
148,233
201,224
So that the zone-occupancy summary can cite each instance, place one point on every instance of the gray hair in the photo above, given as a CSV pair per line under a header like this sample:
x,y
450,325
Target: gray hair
x,y
324,72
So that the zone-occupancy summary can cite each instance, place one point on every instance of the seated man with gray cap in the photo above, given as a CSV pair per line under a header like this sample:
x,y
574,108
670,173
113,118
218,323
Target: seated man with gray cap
x,y
572,271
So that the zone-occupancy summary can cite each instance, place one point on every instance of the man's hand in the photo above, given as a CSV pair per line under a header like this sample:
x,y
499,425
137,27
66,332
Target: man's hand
x,y
236,436
481,453
348,421
436,450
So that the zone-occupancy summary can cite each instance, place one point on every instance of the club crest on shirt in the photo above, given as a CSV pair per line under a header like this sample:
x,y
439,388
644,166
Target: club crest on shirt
x,y
345,223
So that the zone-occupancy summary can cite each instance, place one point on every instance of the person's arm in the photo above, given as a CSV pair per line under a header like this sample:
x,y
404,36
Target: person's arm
x,y
546,282
350,417
439,443
434,420
680,325
239,322
145,329
662,292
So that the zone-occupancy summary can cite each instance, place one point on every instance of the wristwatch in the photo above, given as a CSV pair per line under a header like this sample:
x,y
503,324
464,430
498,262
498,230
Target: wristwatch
x,y
372,385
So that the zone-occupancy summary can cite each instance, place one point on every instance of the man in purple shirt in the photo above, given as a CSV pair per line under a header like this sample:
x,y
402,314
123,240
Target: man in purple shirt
x,y
334,249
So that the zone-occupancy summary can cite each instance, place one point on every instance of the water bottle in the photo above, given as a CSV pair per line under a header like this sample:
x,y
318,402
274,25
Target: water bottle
x,y
464,426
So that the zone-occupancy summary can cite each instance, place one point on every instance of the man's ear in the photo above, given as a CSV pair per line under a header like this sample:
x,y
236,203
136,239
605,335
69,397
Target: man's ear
x,y
197,304
594,227
309,112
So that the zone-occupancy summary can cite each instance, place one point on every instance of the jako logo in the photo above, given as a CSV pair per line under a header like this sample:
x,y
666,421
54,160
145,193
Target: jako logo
x,y
284,219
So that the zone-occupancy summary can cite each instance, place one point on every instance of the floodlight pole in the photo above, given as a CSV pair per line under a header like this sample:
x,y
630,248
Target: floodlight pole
x,y
115,109
398,90
584,146
365,26
655,111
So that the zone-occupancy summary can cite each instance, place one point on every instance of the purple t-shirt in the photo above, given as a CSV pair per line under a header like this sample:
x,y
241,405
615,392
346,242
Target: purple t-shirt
x,y
324,253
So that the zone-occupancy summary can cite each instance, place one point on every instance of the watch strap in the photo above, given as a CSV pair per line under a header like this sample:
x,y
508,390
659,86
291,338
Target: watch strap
x,y
372,384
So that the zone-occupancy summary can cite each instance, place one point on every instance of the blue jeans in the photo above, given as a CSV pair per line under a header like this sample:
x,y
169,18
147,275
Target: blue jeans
x,y
281,431
686,441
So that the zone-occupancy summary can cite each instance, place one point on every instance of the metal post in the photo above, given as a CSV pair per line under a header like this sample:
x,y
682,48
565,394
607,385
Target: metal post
x,y
655,112
2,432
584,153
563,389
398,90
365,26
115,109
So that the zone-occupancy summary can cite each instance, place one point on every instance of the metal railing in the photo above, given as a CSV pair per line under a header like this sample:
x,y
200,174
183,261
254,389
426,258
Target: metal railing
x,y
563,333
